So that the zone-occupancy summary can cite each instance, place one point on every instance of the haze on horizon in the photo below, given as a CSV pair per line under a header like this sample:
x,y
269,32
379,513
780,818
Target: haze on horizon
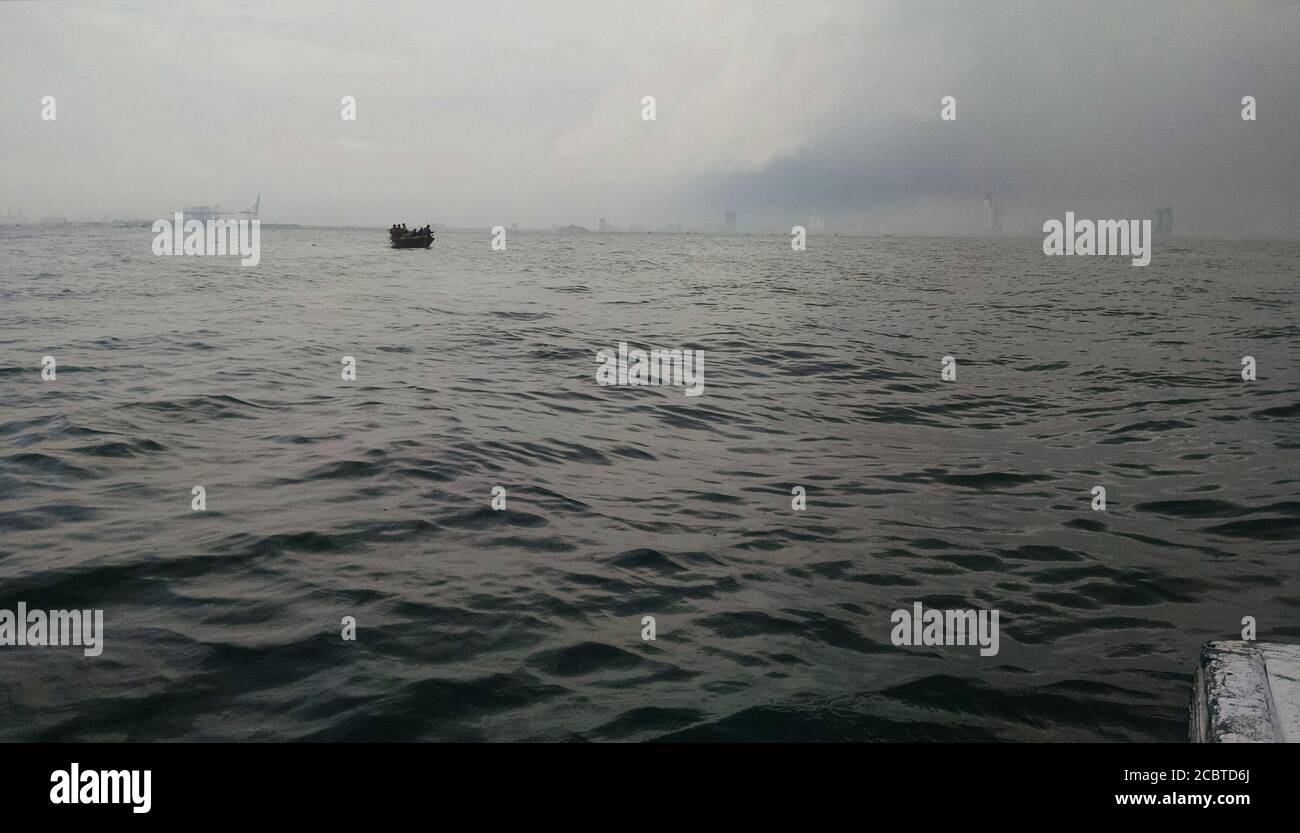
x,y
530,113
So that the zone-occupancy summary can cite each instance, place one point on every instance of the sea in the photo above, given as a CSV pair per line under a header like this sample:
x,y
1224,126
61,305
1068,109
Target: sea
x,y
348,578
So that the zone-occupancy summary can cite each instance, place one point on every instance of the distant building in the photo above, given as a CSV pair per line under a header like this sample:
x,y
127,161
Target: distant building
x,y
603,225
729,222
1164,223
992,215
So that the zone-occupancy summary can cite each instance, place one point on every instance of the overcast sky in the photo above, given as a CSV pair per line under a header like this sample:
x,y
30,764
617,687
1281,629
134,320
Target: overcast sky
x,y
483,113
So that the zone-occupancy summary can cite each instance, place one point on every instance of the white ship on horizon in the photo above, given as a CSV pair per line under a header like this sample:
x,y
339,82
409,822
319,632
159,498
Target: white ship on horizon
x,y
204,213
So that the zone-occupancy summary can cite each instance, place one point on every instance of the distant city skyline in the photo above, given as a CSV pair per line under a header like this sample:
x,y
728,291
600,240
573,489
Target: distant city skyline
x,y
992,223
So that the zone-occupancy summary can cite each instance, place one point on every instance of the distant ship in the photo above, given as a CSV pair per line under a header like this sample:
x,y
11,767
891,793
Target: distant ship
x,y
204,213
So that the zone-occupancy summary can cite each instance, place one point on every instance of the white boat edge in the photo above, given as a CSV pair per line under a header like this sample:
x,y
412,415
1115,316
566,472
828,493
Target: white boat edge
x,y
1246,692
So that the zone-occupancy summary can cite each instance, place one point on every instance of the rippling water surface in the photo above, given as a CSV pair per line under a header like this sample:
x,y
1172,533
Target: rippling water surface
x,y
476,369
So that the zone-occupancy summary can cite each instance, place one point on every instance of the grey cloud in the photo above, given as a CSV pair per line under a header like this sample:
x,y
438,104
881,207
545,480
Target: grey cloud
x,y
530,112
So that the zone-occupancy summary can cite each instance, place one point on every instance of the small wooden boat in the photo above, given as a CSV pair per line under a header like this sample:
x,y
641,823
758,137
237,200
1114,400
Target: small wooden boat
x,y
417,239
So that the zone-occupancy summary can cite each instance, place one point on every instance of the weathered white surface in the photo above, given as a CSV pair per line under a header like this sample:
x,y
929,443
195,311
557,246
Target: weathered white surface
x,y
1247,692
1283,664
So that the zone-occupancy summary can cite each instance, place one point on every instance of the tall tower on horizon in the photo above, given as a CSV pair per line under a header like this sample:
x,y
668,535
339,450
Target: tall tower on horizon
x,y
992,215
1164,223
729,222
